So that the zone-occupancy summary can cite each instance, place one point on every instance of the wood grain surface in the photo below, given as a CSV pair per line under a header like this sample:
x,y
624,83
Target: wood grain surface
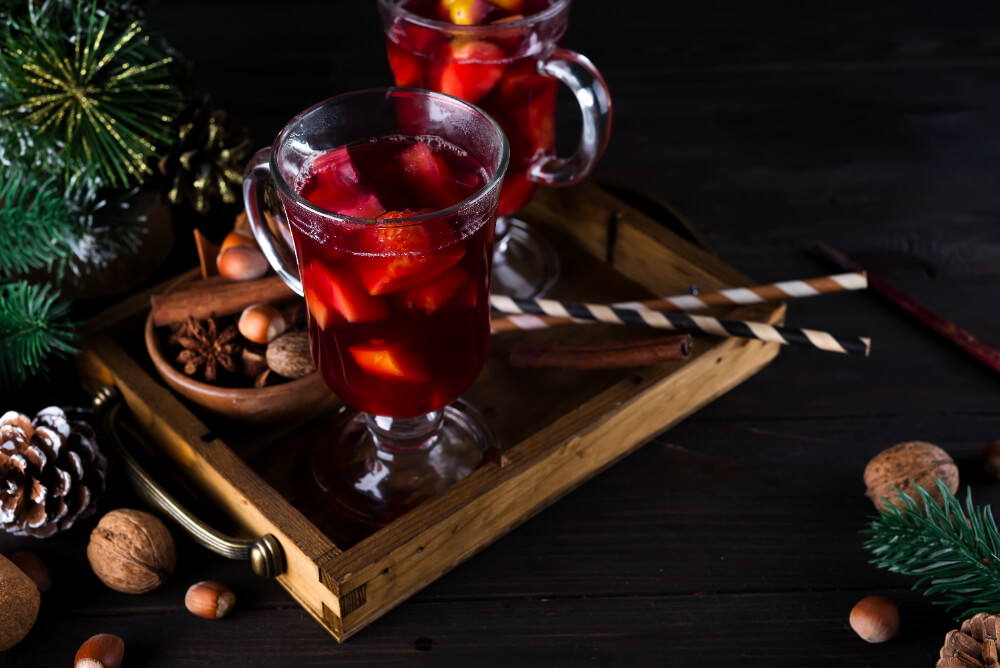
x,y
733,537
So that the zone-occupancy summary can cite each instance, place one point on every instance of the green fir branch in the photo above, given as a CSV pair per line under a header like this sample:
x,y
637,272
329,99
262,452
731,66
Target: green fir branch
x,y
81,82
61,229
954,551
39,224
34,327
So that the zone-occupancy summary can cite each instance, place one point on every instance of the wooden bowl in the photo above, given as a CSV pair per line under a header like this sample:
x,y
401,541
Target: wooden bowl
x,y
286,402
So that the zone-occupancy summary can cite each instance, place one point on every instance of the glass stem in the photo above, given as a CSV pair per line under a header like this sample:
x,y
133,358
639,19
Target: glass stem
x,y
405,434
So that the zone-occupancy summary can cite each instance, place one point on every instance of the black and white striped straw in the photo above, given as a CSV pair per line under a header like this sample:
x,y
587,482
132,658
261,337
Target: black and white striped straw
x,y
682,322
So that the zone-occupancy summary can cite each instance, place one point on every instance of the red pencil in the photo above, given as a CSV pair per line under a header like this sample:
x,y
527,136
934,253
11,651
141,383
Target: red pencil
x,y
960,337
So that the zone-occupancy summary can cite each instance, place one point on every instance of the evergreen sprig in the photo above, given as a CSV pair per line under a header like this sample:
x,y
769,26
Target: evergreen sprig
x,y
34,326
954,551
79,84
51,226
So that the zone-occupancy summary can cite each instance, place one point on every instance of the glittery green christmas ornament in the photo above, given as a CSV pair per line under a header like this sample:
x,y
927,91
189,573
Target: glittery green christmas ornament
x,y
83,84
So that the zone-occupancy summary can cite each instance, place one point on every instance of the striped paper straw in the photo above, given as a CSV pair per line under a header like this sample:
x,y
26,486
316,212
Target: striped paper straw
x,y
696,324
808,287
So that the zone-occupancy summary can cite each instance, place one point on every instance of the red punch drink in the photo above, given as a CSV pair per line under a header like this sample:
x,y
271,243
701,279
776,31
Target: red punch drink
x,y
496,70
390,195
399,308
505,56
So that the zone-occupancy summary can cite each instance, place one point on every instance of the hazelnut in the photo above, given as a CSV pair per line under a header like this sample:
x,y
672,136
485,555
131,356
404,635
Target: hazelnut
x,y
242,263
289,355
990,459
211,600
131,551
261,323
19,603
905,465
34,568
238,238
101,651
875,619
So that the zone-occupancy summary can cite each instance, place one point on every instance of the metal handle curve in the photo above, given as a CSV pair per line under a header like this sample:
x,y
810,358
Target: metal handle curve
x,y
265,554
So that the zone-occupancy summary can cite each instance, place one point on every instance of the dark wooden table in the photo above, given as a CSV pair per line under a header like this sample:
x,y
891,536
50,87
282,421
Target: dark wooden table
x,y
733,538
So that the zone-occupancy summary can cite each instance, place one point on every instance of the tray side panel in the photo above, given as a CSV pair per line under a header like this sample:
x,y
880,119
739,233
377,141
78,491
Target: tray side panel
x,y
634,244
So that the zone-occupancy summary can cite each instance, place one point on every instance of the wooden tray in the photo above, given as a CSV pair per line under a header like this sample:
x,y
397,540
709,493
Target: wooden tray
x,y
558,428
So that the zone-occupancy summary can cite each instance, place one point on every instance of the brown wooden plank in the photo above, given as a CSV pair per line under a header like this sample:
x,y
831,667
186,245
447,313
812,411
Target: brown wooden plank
x,y
655,631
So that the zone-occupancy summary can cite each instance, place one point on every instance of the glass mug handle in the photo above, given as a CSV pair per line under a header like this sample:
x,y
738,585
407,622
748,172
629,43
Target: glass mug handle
x,y
259,169
590,91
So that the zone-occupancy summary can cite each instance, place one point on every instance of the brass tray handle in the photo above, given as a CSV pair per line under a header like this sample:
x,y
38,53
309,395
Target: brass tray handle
x,y
265,554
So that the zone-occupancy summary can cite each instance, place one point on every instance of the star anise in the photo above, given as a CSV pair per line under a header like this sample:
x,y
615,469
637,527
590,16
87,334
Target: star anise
x,y
204,347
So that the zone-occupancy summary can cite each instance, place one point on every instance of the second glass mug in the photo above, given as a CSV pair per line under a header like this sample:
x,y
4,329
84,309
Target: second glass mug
x,y
509,68
398,305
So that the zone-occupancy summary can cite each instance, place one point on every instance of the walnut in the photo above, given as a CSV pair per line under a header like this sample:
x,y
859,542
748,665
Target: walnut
x,y
904,465
19,603
131,551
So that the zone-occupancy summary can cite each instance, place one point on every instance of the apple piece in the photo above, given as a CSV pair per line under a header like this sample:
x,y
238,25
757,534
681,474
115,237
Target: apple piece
x,y
537,120
389,360
336,163
521,80
404,65
343,292
432,295
429,176
465,12
423,40
335,186
473,68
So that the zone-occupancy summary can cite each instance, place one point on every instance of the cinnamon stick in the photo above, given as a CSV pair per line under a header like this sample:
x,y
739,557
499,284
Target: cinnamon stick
x,y
203,299
612,355
207,253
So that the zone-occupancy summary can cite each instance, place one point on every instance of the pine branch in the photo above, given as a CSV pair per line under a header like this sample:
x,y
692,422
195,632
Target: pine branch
x,y
60,229
39,224
33,327
954,551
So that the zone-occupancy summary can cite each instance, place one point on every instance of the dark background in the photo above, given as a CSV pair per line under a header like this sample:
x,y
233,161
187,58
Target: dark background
x,y
733,538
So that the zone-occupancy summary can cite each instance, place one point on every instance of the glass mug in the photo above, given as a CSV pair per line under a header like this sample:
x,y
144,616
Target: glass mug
x,y
395,263
510,68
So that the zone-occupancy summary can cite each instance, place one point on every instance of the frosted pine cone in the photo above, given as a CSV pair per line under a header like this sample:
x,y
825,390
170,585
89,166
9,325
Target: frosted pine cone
x,y
51,472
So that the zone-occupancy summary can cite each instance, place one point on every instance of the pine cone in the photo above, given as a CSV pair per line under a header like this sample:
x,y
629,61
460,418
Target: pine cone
x,y
205,160
51,472
972,646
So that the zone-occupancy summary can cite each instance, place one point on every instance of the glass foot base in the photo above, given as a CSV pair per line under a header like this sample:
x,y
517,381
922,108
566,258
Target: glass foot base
x,y
368,485
525,264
